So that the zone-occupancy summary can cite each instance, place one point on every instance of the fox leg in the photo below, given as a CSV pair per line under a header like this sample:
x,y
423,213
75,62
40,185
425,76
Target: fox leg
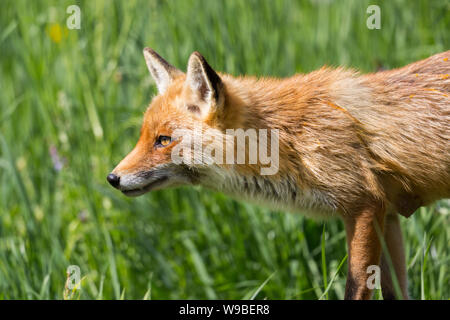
x,y
364,249
394,245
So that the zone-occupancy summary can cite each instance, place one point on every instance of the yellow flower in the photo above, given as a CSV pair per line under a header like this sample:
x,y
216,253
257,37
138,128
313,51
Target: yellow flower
x,y
55,32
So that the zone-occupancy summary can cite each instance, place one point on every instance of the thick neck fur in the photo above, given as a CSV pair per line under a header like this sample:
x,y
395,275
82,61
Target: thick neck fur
x,y
282,104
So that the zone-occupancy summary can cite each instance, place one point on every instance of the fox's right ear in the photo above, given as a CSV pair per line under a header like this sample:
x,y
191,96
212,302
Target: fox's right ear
x,y
205,83
162,72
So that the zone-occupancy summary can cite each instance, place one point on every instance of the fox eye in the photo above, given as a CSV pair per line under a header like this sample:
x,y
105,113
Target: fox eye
x,y
163,141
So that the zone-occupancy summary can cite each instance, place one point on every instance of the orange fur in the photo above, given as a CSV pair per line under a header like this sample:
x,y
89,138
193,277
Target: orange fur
x,y
357,146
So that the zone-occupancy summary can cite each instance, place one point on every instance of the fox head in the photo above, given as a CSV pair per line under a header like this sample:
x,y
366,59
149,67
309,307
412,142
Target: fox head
x,y
192,114
184,101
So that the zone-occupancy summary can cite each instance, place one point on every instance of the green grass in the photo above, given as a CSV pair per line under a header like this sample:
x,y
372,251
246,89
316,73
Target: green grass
x,y
85,96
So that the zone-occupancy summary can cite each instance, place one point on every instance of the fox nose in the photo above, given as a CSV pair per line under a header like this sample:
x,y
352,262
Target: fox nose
x,y
113,180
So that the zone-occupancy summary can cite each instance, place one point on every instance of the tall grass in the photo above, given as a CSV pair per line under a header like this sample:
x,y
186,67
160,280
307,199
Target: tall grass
x,y
71,104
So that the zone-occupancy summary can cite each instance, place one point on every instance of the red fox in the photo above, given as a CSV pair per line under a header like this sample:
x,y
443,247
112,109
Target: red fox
x,y
361,147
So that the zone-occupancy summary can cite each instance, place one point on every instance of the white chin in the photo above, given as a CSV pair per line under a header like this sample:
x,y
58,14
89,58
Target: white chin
x,y
155,185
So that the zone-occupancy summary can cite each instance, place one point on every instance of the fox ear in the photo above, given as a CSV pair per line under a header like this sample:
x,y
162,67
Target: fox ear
x,y
204,82
162,72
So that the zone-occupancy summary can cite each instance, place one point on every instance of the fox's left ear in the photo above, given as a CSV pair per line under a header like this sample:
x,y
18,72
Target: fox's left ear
x,y
205,83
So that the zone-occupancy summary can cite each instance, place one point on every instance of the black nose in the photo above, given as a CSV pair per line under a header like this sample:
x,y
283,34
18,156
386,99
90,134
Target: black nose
x,y
113,180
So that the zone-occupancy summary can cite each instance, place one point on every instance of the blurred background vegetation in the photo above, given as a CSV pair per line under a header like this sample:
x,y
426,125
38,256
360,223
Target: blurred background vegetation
x,y
71,103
